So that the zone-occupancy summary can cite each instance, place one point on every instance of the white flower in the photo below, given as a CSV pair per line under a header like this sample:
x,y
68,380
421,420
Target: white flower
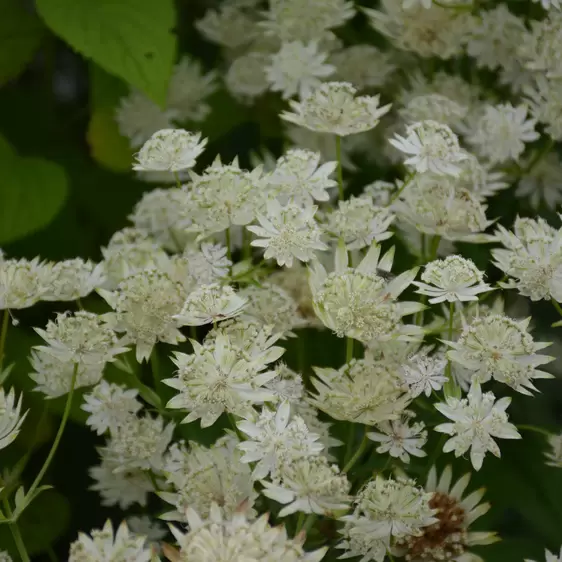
x,y
10,417
170,149
138,443
5,557
207,264
22,282
541,46
424,373
434,107
543,183
297,176
502,131
309,485
297,68
288,232
218,538
153,531
450,536
334,108
73,279
230,26
399,439
83,338
273,440
362,391
475,420
188,89
550,557
246,78
554,456
359,303
145,306
287,385
452,279
118,487
220,377
109,406
495,346
139,118
210,303
433,147
103,545
201,476
547,4
359,223
545,101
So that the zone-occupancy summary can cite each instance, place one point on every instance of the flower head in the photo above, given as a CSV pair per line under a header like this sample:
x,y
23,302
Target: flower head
x,y
475,421
73,279
334,108
554,455
424,373
22,282
10,417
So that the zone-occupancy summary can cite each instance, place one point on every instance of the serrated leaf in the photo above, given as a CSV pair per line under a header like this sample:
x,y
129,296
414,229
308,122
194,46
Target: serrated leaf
x,y
131,39
21,32
32,192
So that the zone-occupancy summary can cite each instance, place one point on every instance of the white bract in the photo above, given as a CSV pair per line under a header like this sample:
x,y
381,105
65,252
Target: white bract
x,y
10,417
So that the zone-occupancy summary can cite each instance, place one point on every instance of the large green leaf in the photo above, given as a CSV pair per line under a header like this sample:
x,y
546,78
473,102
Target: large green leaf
x,y
32,192
21,32
129,38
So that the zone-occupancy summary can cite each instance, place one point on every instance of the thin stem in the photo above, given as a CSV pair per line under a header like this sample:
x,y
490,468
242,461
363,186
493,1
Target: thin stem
x,y
435,242
340,169
358,453
535,429
406,183
390,557
58,436
557,306
539,155
155,368
3,334
193,332
348,350
228,247
450,385
246,244
309,522
350,440
52,554
178,182
300,522
14,529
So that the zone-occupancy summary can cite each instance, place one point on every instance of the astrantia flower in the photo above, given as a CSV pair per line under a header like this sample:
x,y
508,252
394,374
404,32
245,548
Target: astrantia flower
x,y
210,303
188,89
359,303
139,443
432,147
545,101
109,406
452,279
83,338
170,149
495,346
424,374
532,256
288,232
541,47
73,279
10,417
334,108
144,307
230,26
554,455
362,391
201,476
543,183
434,107
223,539
5,557
547,4
475,421
220,377
309,485
22,282
103,545
273,440
287,385
246,78
297,68
399,439
502,131
117,487
207,264
450,537
297,176
386,510
153,531
359,223
549,556
139,118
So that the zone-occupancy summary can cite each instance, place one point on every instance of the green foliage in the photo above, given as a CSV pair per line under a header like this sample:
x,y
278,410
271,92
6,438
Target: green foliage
x,y
32,192
129,38
21,33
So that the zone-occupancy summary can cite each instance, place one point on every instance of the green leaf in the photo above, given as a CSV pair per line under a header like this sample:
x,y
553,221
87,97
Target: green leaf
x,y
129,38
21,33
32,192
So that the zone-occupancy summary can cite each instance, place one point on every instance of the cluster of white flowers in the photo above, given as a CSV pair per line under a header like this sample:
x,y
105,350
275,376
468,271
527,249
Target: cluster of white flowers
x,y
369,225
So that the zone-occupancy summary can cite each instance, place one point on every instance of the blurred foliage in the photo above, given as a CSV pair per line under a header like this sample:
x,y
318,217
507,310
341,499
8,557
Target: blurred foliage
x,y
66,186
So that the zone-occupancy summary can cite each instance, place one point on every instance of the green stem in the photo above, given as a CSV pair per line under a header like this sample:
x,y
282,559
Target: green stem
x,y
435,242
229,247
390,557
300,522
178,182
557,306
3,334
539,155
193,332
14,529
451,385
246,244
340,169
155,368
406,183
348,350
58,436
309,522
535,429
358,453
